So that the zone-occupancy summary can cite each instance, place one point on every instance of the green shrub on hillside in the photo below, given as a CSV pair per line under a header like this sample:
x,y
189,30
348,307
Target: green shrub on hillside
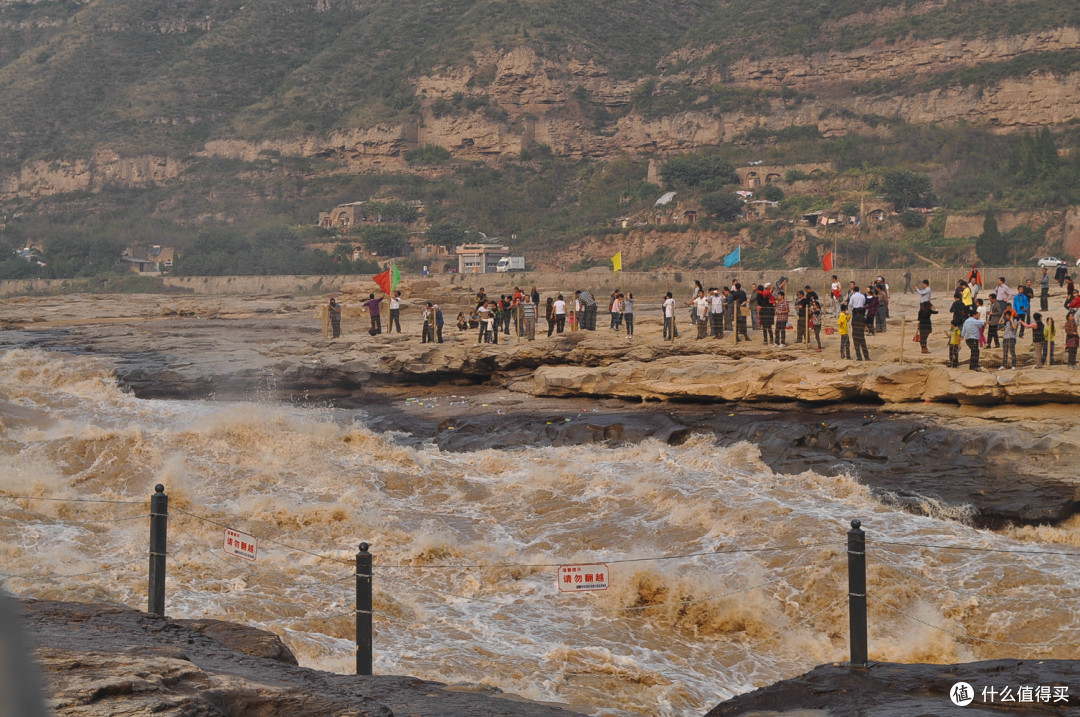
x,y
907,189
772,193
14,267
392,211
912,220
449,234
386,239
693,170
724,205
428,154
276,250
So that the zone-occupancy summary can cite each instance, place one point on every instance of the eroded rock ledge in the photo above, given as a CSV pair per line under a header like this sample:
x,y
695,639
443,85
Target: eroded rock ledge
x,y
708,378
106,660
886,688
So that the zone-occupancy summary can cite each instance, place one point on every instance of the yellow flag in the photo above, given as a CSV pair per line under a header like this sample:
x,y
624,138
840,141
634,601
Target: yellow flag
x,y
616,261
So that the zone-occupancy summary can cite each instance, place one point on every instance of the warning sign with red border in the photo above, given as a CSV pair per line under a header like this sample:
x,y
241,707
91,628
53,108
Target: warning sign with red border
x,y
240,544
578,578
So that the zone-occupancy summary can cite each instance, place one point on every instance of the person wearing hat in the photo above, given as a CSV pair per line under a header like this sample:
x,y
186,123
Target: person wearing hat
x,y
335,317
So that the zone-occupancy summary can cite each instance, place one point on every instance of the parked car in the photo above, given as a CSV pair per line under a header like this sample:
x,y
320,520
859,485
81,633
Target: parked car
x,y
1049,262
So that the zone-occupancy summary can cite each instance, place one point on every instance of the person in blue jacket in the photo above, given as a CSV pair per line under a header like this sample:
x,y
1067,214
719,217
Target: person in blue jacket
x,y
1022,307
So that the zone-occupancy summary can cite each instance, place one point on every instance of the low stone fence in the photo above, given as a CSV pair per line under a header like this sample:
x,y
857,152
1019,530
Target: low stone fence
x,y
601,281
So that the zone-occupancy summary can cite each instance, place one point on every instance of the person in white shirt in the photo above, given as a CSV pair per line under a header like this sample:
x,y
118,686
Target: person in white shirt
x,y
1003,292
834,295
716,313
427,331
670,331
395,312
560,314
701,314
924,292
483,315
857,301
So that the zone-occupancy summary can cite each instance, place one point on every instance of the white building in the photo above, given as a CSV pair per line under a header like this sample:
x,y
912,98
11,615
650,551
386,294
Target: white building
x,y
480,258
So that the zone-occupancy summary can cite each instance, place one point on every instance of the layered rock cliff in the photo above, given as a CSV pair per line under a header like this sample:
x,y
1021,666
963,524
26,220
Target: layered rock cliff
x,y
529,99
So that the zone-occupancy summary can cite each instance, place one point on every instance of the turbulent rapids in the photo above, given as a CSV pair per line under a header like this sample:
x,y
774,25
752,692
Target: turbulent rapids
x,y
466,545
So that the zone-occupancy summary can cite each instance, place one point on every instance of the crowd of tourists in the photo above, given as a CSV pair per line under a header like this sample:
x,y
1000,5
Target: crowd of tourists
x,y
981,319
1000,319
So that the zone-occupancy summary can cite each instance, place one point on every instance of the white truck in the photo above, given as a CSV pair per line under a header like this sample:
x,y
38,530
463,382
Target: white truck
x,y
511,263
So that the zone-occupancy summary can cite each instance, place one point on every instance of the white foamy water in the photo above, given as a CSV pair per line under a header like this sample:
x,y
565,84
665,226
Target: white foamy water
x,y
464,546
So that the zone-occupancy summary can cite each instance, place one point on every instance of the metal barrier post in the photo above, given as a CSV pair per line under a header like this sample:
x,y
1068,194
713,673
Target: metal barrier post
x,y
857,594
159,524
363,611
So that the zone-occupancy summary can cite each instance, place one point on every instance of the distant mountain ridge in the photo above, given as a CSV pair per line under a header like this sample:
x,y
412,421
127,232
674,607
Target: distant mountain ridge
x,y
126,92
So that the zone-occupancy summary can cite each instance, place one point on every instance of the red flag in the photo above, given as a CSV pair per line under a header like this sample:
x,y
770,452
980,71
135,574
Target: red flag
x,y
383,280
826,262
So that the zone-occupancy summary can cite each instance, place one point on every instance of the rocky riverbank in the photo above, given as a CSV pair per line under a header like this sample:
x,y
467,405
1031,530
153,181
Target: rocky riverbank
x,y
890,690
105,660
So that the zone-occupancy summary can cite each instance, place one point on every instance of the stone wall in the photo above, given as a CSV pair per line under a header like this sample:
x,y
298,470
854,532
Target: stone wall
x,y
962,226
601,281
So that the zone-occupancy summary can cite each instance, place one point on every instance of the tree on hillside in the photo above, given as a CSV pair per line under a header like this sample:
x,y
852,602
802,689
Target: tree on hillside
x,y
392,211
68,257
447,234
912,219
274,250
708,171
772,193
990,245
15,267
1034,157
386,239
215,252
907,189
343,251
725,206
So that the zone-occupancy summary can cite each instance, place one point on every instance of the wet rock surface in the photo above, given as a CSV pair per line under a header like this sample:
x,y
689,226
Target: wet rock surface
x,y
107,661
920,465
890,690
